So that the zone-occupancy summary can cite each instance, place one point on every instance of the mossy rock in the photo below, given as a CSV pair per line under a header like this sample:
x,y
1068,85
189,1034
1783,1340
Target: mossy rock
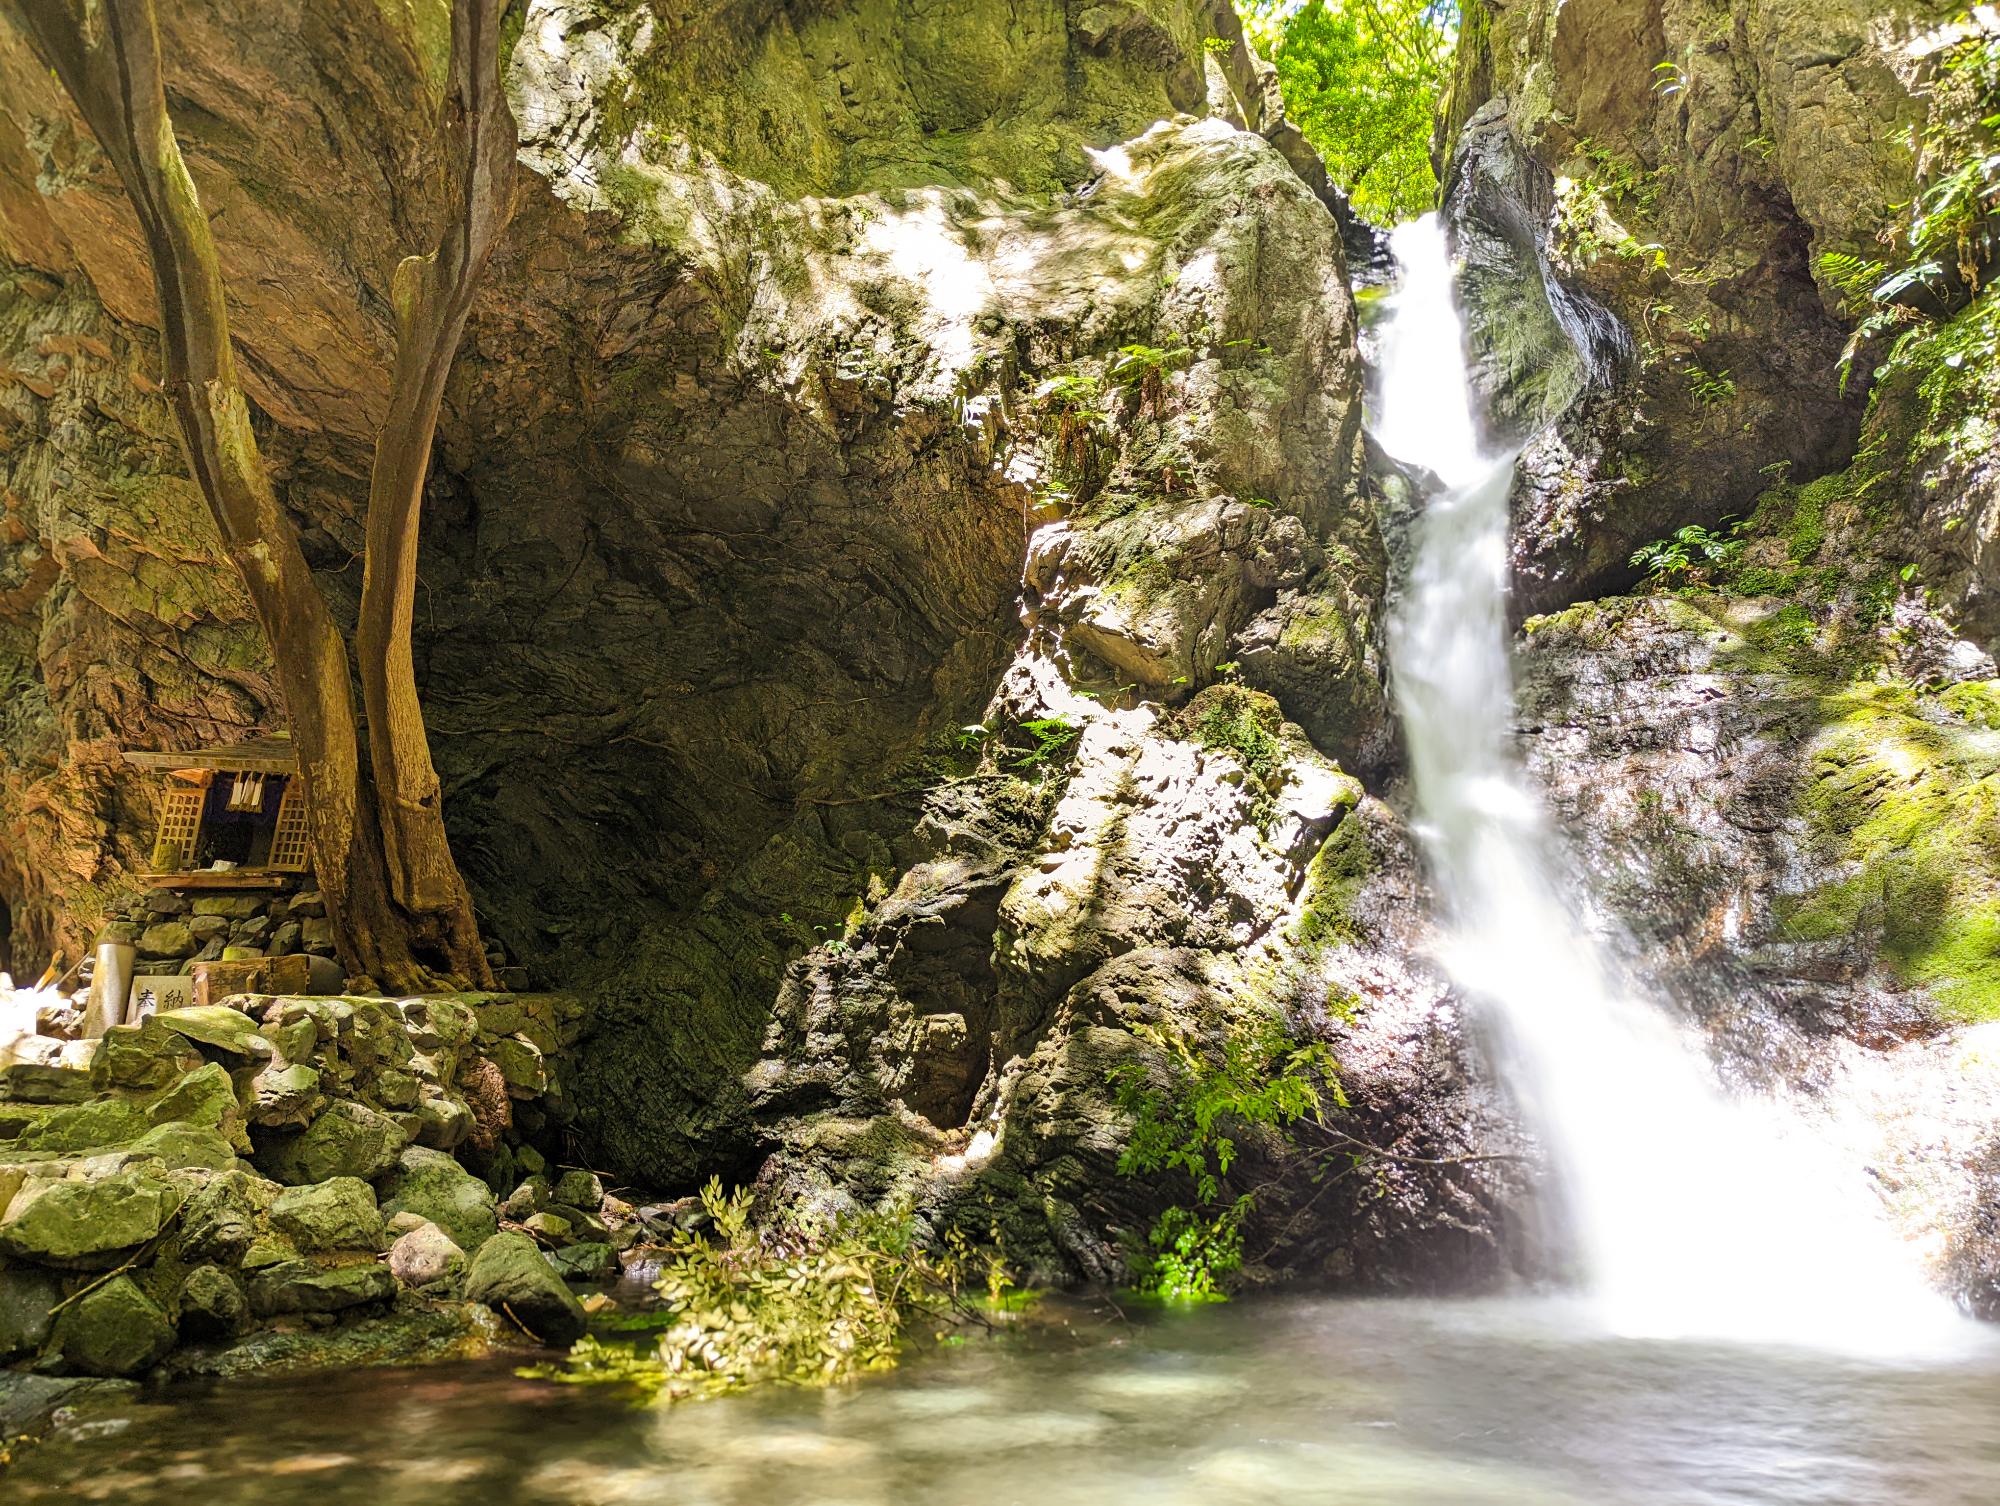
x,y
510,1276
87,1224
433,1186
114,1330
337,1214
344,1140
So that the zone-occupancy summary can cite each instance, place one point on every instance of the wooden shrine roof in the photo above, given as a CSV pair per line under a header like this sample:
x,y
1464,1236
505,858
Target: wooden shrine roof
x,y
271,755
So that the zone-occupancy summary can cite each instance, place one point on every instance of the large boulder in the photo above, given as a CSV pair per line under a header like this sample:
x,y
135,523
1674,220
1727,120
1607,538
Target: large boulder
x,y
87,1223
510,1276
114,1330
346,1139
337,1214
433,1186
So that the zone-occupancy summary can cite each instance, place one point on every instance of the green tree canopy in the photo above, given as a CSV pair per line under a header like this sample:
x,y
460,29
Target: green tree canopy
x,y
1362,79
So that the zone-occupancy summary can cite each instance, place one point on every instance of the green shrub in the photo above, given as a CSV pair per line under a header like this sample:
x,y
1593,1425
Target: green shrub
x,y
1263,1082
748,1306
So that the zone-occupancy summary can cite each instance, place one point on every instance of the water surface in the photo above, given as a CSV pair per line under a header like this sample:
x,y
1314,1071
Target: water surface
x,y
1347,1403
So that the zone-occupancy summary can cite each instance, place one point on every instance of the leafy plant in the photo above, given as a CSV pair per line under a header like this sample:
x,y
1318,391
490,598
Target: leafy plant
x,y
793,1306
1049,738
1144,369
1708,388
1691,555
1071,403
1264,1081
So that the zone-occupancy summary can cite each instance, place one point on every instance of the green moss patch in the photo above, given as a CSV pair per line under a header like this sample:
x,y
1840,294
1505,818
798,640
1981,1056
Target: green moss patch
x,y
1904,789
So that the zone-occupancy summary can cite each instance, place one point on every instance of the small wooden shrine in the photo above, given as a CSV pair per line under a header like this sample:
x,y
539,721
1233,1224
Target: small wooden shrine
x,y
231,817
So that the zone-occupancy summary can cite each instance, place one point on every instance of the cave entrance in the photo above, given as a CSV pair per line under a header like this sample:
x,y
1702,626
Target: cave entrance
x,y
6,937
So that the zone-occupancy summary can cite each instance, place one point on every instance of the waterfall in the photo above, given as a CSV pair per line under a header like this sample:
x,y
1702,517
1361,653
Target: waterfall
x,y
1693,1213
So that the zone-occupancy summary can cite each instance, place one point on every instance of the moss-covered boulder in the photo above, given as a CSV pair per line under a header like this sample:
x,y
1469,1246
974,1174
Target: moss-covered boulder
x,y
337,1214
433,1186
87,1222
510,1276
115,1329
346,1139
304,1286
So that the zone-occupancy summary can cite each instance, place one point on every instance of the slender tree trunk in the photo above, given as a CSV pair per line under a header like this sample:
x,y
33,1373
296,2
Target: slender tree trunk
x,y
106,54
433,295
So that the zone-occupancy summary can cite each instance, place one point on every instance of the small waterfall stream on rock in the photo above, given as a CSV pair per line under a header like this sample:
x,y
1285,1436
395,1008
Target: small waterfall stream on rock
x,y
1694,1213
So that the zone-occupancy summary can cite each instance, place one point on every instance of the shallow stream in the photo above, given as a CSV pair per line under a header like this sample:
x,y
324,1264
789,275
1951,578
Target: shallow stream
x,y
1345,1403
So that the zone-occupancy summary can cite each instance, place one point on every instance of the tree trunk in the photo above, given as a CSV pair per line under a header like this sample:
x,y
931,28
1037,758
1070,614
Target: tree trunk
x,y
432,295
106,54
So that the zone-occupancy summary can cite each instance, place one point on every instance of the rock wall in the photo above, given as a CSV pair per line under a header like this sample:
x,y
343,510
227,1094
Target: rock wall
x,y
827,345
1687,164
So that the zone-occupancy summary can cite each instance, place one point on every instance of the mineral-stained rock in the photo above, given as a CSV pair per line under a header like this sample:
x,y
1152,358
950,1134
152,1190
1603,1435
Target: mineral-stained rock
x,y
211,1305
510,1276
434,1186
304,1286
88,1223
337,1214
346,1139
26,1297
425,1255
115,1329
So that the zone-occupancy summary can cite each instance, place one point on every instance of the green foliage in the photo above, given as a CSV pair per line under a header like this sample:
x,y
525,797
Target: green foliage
x,y
1144,369
1949,238
1708,388
1049,739
1690,556
752,1306
1264,1082
1362,80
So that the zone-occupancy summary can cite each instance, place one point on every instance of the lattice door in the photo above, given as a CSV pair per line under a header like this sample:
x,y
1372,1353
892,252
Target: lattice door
x,y
288,842
180,828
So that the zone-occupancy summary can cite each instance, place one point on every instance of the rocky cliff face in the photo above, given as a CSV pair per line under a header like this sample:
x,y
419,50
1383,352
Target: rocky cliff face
x,y
901,485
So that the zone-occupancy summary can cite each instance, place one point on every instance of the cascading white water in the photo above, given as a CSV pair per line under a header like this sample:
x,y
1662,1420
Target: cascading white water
x,y
1695,1213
